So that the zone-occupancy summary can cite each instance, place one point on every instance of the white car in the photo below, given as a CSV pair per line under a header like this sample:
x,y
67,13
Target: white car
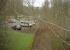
x,y
15,24
26,23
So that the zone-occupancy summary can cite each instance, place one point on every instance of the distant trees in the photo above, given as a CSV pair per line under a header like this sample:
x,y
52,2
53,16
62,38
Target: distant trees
x,y
13,7
3,35
2,6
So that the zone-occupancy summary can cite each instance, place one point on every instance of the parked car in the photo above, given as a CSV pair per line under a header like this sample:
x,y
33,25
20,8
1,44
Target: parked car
x,y
15,24
17,27
26,24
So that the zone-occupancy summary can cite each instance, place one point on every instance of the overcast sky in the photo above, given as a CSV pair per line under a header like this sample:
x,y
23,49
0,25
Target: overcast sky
x,y
38,3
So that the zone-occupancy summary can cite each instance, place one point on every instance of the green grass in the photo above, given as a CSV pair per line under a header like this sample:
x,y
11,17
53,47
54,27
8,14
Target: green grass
x,y
19,40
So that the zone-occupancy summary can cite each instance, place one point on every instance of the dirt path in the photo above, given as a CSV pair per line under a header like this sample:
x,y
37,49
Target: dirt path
x,y
42,39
